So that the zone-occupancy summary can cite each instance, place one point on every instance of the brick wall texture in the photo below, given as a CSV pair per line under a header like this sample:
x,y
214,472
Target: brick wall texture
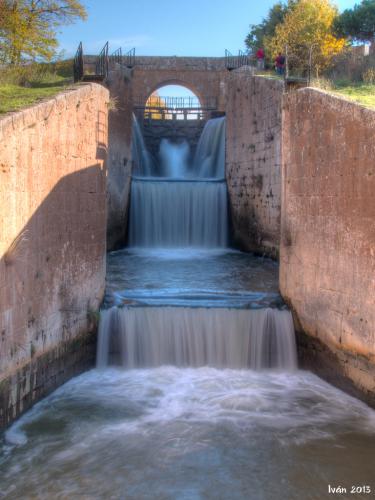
x,y
327,268
52,239
253,160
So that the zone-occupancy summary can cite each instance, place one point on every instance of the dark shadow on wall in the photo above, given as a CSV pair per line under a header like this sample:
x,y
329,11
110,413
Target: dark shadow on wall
x,y
51,285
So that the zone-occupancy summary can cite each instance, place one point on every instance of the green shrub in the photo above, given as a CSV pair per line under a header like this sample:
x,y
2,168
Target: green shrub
x,y
35,74
322,83
369,76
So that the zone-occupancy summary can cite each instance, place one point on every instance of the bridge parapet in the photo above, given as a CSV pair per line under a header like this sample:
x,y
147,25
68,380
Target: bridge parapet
x,y
167,108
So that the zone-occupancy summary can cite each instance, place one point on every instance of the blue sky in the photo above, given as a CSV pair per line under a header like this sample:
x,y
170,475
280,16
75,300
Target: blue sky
x,y
168,27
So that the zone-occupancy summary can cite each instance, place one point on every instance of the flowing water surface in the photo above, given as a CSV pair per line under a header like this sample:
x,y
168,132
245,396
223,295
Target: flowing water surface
x,y
191,277
172,433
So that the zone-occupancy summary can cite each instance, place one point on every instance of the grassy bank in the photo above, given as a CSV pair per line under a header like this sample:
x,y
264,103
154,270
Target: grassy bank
x,y
26,85
361,93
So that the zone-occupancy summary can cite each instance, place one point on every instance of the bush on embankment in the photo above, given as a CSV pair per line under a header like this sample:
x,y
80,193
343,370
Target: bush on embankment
x,y
25,84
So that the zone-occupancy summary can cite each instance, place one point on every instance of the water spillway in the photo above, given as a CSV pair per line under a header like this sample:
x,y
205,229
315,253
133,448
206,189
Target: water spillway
x,y
174,204
178,213
139,337
180,205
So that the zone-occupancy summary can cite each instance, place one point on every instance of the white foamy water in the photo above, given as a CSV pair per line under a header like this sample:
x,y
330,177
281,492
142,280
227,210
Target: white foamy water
x,y
174,158
189,433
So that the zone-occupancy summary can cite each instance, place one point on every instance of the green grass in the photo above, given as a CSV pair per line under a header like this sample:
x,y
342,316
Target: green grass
x,y
23,86
14,97
269,73
361,93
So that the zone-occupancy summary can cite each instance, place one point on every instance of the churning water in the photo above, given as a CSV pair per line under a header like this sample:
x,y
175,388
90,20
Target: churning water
x,y
198,434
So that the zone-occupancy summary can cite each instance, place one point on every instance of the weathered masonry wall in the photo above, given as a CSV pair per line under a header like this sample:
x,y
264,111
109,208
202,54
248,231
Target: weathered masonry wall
x,y
119,155
52,243
253,160
327,271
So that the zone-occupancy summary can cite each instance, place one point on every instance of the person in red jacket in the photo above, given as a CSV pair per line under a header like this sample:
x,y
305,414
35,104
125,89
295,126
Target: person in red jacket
x,y
280,64
260,58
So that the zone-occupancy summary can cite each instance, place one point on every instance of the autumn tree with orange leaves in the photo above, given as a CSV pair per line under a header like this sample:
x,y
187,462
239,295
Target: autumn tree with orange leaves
x,y
308,24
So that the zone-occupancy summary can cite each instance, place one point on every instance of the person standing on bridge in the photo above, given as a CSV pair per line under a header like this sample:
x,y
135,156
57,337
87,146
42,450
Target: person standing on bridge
x,y
260,58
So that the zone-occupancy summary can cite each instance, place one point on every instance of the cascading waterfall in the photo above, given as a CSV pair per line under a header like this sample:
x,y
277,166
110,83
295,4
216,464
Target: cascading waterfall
x,y
223,338
169,213
180,205
143,162
174,158
209,161
177,205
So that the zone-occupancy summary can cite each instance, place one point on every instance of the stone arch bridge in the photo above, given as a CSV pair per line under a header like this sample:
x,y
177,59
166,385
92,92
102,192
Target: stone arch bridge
x,y
130,88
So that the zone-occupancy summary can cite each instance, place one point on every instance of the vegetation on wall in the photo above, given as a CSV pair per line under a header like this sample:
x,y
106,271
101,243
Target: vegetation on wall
x,y
27,43
28,27
266,29
23,85
299,25
308,24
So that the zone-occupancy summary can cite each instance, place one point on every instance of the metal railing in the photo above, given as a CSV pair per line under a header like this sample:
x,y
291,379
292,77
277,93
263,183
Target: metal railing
x,y
235,62
116,56
78,64
130,58
299,63
151,113
175,102
167,108
127,59
101,66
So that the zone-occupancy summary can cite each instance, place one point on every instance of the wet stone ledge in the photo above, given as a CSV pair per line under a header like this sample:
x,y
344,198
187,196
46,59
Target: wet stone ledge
x,y
45,373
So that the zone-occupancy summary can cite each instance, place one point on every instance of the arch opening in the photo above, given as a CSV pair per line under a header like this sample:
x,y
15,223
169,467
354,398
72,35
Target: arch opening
x,y
173,102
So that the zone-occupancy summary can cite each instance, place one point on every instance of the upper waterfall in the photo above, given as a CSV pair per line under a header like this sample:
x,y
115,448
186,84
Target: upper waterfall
x,y
209,160
178,202
174,159
142,160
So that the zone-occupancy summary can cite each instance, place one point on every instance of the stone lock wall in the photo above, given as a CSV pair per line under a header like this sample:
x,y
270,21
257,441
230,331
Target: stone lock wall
x,y
327,254
52,243
119,155
253,160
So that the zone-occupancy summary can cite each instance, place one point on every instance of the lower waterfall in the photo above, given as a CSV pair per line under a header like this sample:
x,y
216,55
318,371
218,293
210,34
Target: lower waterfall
x,y
145,337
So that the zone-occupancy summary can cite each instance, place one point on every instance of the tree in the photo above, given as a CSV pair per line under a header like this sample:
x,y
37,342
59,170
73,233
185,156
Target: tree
x,y
156,105
357,23
275,16
28,27
308,24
